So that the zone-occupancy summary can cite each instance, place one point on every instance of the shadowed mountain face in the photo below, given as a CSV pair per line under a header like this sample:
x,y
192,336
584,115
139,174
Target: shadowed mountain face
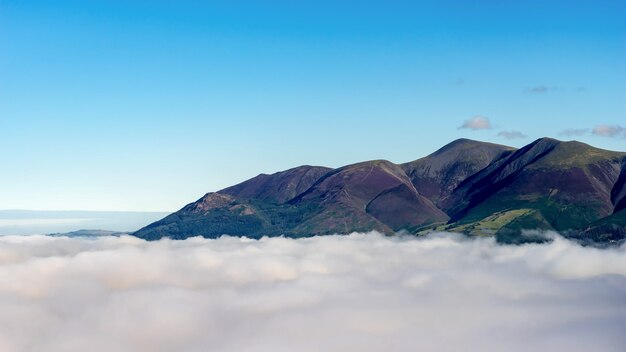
x,y
467,186
546,185
437,175
618,193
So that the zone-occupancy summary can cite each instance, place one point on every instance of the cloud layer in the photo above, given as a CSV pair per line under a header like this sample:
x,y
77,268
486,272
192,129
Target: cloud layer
x,y
335,293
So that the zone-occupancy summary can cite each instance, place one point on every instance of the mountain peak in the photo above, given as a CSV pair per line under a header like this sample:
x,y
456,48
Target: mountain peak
x,y
544,142
548,139
572,153
465,143
571,144
439,173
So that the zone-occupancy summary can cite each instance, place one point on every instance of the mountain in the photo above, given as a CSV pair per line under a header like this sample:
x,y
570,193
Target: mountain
x,y
548,185
478,188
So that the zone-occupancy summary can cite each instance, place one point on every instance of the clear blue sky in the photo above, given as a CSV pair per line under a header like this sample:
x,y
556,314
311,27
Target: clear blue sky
x,y
146,105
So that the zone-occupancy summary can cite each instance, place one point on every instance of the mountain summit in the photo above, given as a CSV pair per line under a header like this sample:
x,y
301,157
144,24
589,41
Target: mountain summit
x,y
467,186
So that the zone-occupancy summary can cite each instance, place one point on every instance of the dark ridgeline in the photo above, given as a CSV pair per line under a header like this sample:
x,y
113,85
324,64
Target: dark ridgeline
x,y
467,186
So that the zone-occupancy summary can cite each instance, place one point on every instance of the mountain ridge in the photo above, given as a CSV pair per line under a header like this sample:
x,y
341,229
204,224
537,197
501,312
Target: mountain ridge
x,y
478,188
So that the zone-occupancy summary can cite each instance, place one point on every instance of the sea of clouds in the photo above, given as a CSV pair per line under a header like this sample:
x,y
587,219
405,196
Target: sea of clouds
x,y
363,292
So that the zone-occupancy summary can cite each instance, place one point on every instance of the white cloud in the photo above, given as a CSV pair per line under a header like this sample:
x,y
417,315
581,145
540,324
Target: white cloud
x,y
512,134
476,123
610,131
335,293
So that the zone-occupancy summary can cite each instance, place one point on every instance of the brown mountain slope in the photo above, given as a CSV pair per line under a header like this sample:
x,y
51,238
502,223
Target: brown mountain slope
x,y
438,174
278,187
378,192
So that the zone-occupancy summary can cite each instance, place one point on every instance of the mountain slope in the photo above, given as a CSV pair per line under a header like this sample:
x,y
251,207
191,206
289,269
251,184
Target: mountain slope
x,y
611,229
253,208
374,192
618,193
279,187
438,174
561,185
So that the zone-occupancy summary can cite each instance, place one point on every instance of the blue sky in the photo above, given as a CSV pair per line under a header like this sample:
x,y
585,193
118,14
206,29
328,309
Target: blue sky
x,y
146,105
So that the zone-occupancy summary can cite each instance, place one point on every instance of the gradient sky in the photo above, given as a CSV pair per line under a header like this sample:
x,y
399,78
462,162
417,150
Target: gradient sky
x,y
146,105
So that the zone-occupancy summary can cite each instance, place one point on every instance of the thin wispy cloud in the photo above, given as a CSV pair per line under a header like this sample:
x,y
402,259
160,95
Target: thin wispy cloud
x,y
476,123
512,135
335,293
539,89
542,89
574,132
611,131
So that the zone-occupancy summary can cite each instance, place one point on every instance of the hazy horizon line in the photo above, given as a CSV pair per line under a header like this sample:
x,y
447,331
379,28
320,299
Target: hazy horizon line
x,y
86,211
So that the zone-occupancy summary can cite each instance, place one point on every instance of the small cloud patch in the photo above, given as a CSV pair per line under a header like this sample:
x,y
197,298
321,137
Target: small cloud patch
x,y
512,135
477,122
542,89
574,132
610,131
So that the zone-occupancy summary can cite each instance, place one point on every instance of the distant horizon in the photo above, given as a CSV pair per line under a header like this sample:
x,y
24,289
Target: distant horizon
x,y
31,222
81,210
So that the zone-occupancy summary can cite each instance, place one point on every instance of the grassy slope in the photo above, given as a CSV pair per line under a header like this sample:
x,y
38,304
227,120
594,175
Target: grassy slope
x,y
544,208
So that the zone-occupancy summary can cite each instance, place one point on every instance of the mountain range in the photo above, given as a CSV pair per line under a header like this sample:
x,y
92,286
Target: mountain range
x,y
467,186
